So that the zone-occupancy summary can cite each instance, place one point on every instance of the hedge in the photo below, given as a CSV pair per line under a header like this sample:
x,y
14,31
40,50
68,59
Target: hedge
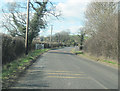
x,y
14,47
11,48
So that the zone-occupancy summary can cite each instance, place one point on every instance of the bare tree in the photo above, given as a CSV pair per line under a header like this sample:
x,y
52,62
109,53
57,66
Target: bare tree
x,y
101,26
15,18
62,37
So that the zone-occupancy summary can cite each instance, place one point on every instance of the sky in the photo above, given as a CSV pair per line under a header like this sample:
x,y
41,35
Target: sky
x,y
72,18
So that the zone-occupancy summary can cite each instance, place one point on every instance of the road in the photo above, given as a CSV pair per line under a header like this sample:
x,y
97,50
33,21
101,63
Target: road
x,y
59,69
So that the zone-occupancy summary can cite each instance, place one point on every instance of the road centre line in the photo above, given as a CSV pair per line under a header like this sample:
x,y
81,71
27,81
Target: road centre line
x,y
66,77
65,74
56,71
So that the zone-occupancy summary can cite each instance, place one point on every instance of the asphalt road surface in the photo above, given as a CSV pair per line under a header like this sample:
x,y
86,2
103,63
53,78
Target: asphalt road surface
x,y
59,69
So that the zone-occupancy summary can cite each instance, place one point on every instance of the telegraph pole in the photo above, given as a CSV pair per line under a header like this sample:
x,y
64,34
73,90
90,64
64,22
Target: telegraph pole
x,y
51,36
27,28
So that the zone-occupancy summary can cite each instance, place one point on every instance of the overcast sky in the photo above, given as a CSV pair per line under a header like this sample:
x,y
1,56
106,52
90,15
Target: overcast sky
x,y
72,15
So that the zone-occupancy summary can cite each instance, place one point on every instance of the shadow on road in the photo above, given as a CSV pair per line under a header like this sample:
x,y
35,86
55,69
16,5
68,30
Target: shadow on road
x,y
34,77
62,53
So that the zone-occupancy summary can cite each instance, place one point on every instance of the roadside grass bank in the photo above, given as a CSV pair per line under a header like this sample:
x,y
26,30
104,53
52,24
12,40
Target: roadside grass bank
x,y
101,59
13,70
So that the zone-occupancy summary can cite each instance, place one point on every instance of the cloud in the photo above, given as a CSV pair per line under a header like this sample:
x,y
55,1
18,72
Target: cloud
x,y
73,14
74,29
105,0
73,8
14,1
9,0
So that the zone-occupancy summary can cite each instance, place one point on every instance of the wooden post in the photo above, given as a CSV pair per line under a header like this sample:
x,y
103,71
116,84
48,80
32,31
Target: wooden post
x,y
51,36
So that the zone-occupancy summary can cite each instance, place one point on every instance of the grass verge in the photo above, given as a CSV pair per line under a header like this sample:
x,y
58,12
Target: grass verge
x,y
78,52
11,71
94,58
